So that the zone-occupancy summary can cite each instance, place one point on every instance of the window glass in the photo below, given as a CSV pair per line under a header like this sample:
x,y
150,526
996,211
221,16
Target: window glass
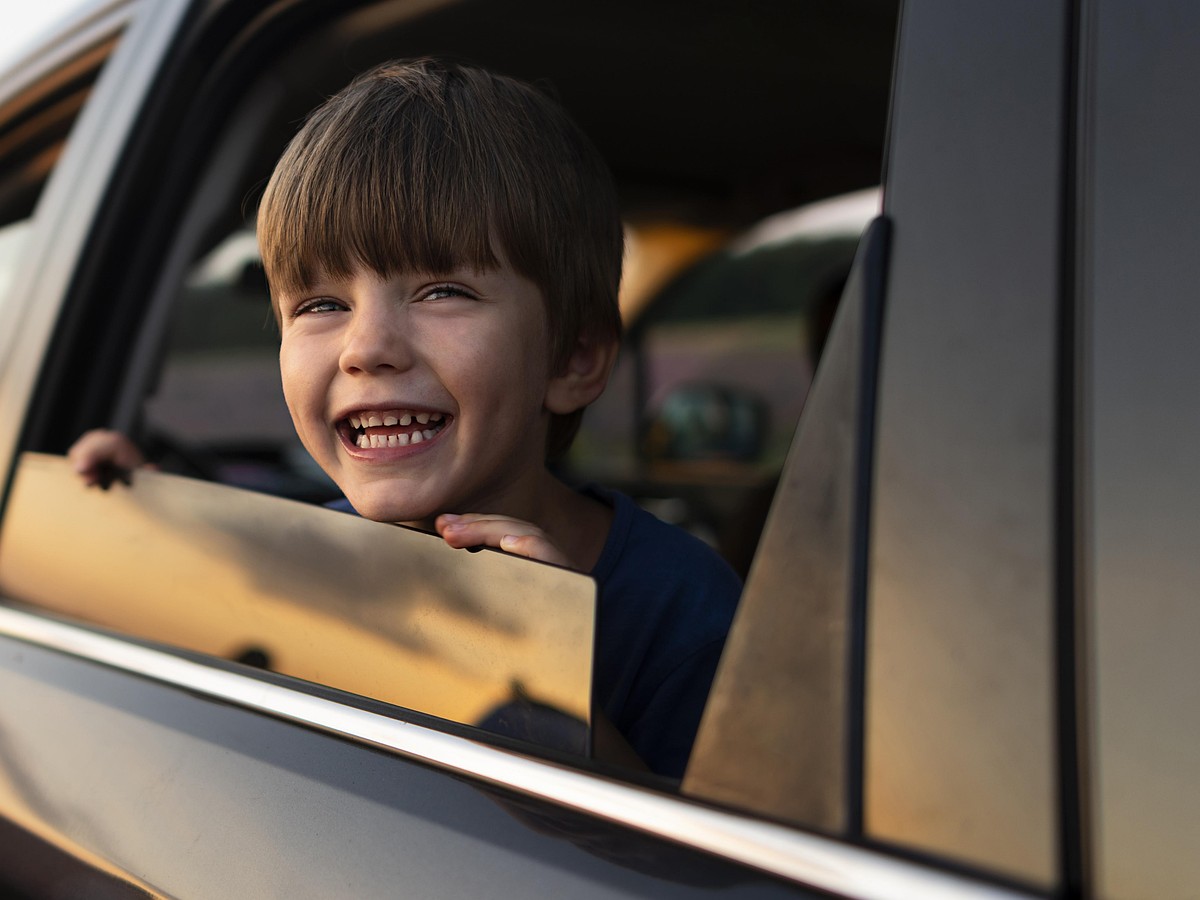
x,y
482,639
785,666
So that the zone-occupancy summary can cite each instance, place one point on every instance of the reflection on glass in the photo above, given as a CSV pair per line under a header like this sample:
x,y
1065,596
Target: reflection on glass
x,y
388,613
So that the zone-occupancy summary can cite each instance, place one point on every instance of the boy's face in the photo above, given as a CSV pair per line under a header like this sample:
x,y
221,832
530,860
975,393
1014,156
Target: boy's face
x,y
421,394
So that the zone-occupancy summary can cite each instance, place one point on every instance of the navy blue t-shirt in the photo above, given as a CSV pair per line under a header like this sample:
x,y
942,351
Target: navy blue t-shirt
x,y
666,603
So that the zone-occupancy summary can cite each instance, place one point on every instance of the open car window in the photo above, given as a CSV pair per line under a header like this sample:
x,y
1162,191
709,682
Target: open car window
x,y
170,337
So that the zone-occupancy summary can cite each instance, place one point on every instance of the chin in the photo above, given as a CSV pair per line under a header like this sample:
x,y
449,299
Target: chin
x,y
370,505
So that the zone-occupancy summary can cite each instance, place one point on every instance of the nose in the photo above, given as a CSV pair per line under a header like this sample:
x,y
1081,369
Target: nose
x,y
374,341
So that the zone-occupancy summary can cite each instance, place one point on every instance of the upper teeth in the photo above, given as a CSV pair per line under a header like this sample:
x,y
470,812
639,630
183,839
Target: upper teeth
x,y
404,419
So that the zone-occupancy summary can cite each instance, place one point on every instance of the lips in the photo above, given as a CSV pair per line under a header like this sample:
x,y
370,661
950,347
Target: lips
x,y
386,428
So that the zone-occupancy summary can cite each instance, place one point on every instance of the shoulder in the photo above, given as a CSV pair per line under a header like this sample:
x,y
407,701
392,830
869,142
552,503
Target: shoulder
x,y
644,553
664,584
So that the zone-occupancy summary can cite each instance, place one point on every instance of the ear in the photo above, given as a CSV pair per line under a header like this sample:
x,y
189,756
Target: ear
x,y
584,378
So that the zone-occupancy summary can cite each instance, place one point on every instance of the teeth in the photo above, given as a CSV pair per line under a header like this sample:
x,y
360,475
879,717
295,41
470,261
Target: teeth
x,y
404,419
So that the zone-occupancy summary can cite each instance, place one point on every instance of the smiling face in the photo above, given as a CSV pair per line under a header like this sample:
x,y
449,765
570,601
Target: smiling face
x,y
421,395
425,166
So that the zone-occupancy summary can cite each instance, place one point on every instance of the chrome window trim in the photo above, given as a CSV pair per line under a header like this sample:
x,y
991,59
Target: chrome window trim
x,y
809,859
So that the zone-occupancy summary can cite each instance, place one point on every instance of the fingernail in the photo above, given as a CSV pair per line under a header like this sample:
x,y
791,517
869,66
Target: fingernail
x,y
507,542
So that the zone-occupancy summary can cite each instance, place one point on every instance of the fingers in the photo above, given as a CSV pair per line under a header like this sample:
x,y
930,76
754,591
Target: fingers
x,y
99,455
503,532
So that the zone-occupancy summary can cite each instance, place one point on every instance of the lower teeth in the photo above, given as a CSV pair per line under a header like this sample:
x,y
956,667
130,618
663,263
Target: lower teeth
x,y
383,441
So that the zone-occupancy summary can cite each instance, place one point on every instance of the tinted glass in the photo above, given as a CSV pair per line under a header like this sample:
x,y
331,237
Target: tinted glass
x,y
787,674
377,610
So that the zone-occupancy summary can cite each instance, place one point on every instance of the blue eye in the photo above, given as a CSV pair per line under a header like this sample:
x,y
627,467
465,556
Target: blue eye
x,y
318,305
446,291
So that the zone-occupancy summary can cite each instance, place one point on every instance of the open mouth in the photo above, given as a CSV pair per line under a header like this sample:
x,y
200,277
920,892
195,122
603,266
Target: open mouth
x,y
380,429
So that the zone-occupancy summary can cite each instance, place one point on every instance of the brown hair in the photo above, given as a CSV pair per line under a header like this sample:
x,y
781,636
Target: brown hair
x,y
418,166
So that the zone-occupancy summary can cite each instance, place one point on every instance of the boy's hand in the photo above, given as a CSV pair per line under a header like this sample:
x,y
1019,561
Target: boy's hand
x,y
508,534
101,455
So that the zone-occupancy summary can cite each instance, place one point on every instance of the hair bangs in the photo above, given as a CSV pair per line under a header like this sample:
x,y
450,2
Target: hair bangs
x,y
399,192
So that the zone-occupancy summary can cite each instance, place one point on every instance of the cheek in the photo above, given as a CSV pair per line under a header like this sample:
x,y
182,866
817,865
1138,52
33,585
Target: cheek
x,y
298,382
522,348
510,369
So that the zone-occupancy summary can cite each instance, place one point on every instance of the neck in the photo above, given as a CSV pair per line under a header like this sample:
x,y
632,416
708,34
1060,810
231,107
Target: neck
x,y
577,524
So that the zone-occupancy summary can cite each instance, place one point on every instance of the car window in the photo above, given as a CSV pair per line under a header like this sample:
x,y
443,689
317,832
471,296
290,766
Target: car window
x,y
716,236
182,353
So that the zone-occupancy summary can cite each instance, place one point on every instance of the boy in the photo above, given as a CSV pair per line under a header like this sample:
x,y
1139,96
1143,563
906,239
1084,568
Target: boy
x,y
444,249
